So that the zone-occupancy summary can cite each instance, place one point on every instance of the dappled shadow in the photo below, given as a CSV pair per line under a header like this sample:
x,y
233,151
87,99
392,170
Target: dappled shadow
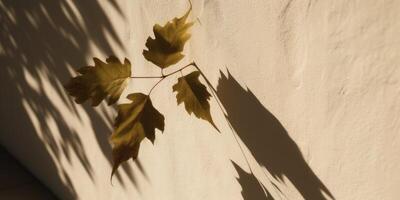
x,y
267,139
40,42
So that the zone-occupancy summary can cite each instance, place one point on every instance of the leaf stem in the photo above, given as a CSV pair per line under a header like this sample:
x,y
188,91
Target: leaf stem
x,y
164,76
155,85
146,77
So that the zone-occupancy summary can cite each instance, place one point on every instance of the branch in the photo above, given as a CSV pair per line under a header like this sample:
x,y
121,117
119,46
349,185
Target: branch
x,y
146,77
166,75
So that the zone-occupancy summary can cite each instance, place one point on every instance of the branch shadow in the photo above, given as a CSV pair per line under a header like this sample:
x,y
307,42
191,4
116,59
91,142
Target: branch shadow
x,y
267,139
40,41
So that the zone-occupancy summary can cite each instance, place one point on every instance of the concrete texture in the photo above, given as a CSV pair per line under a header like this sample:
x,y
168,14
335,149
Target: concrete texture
x,y
309,88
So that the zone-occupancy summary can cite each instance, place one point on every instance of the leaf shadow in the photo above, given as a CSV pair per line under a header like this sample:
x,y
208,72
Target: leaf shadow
x,y
251,188
40,41
267,140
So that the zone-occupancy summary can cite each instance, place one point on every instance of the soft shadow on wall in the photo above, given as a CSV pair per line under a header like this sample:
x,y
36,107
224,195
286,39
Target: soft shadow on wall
x,y
39,41
251,189
267,140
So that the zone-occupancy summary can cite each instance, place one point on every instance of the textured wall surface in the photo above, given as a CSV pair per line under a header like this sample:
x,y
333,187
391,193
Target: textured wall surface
x,y
311,89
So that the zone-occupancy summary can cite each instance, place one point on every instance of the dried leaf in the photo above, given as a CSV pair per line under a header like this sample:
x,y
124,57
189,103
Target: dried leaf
x,y
134,122
167,46
194,95
103,80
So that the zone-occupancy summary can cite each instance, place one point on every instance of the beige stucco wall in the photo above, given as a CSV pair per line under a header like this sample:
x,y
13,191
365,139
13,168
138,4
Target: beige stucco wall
x,y
311,88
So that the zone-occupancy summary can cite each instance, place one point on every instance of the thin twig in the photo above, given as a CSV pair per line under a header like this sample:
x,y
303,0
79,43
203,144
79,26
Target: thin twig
x,y
178,70
155,86
146,77
167,75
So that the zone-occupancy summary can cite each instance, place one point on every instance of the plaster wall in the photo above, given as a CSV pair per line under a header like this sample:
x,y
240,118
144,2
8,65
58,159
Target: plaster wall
x,y
310,89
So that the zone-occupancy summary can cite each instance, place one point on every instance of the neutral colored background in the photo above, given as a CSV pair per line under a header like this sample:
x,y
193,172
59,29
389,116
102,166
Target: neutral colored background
x,y
311,88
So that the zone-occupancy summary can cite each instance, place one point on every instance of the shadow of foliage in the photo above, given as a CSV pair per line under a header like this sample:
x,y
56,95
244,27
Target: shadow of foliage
x,y
267,139
251,188
40,41
19,184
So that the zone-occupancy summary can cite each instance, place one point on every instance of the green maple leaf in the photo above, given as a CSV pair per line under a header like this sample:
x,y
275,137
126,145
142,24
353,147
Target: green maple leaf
x,y
134,122
194,95
167,46
103,80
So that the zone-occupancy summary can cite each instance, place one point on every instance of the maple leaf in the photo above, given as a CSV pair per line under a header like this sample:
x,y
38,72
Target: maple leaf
x,y
194,95
134,122
103,80
168,43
